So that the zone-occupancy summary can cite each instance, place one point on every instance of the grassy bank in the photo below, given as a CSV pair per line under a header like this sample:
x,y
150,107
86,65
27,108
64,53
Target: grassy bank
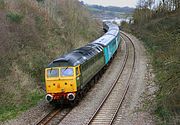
x,y
161,37
30,39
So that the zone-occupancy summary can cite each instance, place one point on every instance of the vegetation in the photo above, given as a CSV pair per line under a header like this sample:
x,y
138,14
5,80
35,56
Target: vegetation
x,y
2,4
125,26
40,0
14,17
159,29
32,39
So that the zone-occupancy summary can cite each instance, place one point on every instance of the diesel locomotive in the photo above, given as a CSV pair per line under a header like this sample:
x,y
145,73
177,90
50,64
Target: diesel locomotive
x,y
68,77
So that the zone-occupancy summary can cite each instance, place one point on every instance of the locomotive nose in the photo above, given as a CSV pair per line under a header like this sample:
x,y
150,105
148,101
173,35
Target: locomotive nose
x,y
49,97
71,96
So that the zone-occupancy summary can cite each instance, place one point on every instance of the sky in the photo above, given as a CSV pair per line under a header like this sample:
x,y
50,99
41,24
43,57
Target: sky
x,y
119,3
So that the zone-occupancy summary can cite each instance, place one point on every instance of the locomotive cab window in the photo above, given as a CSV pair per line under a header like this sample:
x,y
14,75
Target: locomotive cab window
x,y
67,71
53,73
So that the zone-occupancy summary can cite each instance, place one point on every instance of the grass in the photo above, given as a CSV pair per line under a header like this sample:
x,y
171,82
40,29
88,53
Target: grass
x,y
15,17
10,111
2,4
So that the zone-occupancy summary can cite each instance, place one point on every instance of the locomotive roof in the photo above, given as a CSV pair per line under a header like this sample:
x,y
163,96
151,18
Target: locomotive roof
x,y
77,56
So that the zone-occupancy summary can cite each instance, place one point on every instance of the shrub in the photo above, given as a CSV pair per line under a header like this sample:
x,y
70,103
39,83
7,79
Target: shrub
x,y
2,4
14,17
40,1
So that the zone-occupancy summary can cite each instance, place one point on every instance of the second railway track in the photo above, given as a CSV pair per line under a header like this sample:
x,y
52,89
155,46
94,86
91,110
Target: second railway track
x,y
108,109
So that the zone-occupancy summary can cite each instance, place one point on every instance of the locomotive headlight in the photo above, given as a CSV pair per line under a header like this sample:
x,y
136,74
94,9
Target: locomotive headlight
x,y
71,96
49,97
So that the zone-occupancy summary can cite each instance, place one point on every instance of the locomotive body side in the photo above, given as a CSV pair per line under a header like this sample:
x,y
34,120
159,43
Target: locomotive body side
x,y
90,68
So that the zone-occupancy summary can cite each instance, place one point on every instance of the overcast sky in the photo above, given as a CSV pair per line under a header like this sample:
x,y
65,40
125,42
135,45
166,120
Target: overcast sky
x,y
120,3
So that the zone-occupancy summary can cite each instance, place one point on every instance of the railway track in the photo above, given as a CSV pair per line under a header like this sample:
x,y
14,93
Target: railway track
x,y
109,107
54,117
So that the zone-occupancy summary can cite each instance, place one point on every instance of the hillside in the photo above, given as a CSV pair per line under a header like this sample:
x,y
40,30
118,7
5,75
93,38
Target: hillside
x,y
31,35
110,11
161,36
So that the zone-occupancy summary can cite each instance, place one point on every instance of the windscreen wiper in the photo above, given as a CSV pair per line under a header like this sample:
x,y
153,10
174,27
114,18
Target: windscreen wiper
x,y
65,69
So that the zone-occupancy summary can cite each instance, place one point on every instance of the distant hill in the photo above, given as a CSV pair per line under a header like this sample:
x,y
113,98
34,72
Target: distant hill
x,y
112,8
109,11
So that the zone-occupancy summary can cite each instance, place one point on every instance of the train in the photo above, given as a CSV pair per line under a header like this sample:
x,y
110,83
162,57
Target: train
x,y
70,76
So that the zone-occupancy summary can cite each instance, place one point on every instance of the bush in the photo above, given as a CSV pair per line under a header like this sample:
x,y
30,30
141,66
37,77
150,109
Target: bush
x,y
125,26
14,17
40,1
2,4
